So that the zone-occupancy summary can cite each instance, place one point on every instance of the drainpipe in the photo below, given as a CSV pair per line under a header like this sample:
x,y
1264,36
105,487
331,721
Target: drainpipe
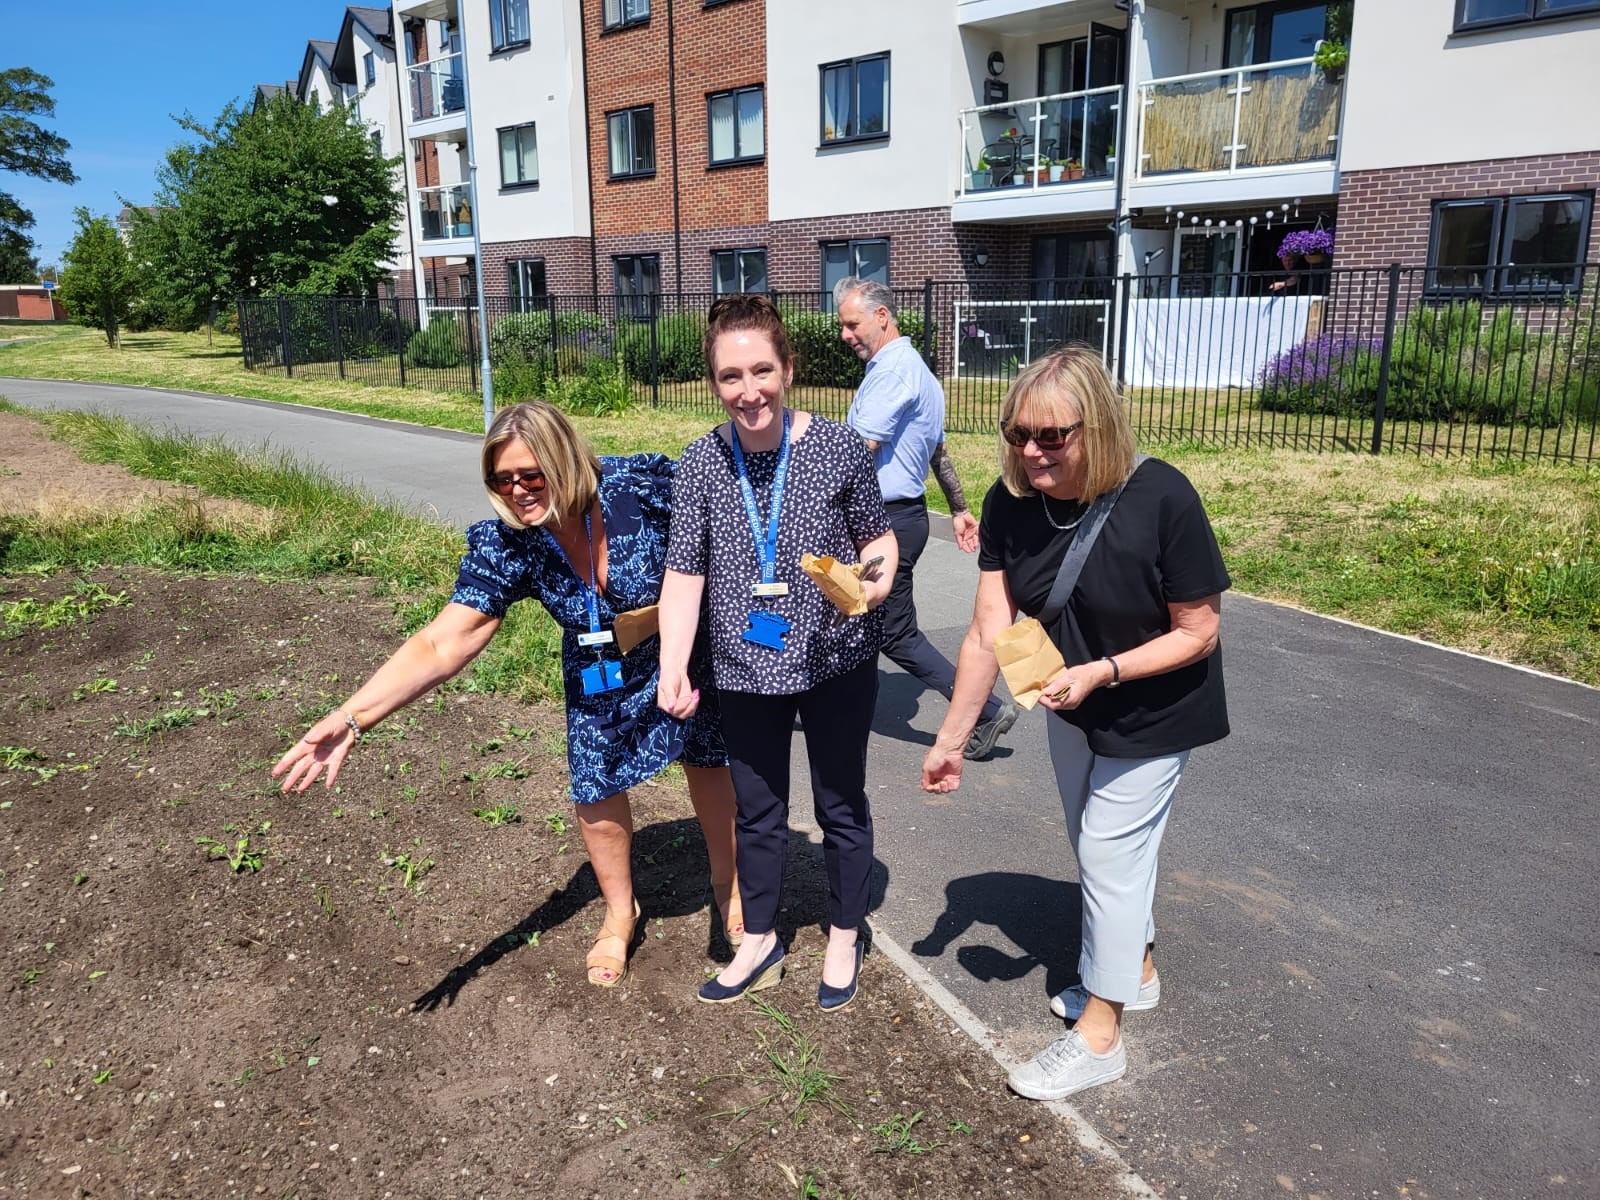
x,y
477,237
1126,142
588,134
677,195
407,173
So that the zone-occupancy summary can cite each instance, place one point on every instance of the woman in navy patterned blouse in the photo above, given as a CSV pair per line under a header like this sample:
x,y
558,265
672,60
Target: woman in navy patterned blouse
x,y
587,538
752,496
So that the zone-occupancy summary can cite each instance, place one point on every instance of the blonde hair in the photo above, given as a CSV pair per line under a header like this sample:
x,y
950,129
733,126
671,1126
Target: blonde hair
x,y
1072,377
571,469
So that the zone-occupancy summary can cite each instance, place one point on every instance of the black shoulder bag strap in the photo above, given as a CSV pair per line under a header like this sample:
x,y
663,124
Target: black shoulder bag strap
x,y
1072,563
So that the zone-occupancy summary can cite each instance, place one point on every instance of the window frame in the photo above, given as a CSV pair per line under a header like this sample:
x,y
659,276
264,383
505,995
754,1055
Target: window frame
x,y
1495,271
1536,12
854,266
521,299
498,10
611,173
734,93
855,97
623,21
369,67
766,264
500,133
639,305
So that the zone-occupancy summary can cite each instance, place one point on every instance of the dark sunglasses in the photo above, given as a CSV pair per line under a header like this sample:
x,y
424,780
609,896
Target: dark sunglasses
x,y
507,481
1051,437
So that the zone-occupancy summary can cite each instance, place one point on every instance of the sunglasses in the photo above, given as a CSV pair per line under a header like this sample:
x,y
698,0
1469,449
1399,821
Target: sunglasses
x,y
1050,437
508,481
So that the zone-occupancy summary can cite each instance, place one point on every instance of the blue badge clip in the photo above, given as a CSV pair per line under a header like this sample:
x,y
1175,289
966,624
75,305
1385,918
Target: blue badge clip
x,y
767,629
602,676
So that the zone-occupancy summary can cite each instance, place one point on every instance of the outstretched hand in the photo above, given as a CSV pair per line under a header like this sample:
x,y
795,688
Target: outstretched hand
x,y
324,747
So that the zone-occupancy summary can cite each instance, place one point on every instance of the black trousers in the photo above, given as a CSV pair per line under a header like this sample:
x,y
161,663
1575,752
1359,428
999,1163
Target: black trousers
x,y
836,716
903,643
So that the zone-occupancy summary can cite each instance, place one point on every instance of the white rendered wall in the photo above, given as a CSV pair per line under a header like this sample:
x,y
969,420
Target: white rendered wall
x,y
542,83
915,167
380,111
1418,94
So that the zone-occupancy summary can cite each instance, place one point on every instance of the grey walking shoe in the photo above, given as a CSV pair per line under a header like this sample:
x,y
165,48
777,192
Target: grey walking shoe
x,y
1065,1066
988,733
1071,1003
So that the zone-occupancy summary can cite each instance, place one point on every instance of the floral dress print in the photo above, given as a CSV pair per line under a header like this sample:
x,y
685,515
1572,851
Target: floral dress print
x,y
618,738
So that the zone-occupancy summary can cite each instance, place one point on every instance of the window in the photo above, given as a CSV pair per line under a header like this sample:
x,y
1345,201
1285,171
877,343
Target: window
x,y
865,258
1273,32
734,125
519,156
638,279
1508,244
525,283
370,66
855,99
508,23
631,134
1479,14
376,138
620,13
734,271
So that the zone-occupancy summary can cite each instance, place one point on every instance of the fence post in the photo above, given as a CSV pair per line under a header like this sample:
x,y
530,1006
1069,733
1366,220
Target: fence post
x,y
283,330
655,358
472,342
1388,353
400,340
338,341
927,325
1125,282
555,345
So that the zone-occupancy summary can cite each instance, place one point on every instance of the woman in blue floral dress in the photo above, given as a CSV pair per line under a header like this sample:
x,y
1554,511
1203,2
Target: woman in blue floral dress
x,y
587,538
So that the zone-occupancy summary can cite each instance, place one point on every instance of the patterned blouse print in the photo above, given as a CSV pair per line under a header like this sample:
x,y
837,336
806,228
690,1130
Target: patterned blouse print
x,y
620,738
831,504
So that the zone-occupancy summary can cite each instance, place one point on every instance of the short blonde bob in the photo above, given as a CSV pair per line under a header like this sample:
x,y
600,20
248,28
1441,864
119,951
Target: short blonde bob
x,y
1067,385
571,470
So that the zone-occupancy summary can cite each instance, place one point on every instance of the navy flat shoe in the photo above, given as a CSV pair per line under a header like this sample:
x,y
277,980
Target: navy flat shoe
x,y
832,999
767,973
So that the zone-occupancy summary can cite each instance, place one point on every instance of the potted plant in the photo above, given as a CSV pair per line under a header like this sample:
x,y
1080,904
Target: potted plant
x,y
1058,168
1331,57
1074,169
1111,159
1313,245
982,174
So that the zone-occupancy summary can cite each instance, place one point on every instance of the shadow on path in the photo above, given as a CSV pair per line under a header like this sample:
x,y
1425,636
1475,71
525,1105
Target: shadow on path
x,y
1042,917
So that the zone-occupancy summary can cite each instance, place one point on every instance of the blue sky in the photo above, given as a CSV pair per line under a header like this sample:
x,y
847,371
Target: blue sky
x,y
122,70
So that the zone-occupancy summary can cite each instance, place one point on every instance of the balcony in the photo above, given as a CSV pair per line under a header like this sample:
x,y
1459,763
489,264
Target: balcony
x,y
1215,131
1041,156
445,213
438,89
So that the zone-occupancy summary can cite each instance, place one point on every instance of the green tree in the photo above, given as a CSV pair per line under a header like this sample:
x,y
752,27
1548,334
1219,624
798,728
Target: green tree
x,y
26,148
244,209
98,282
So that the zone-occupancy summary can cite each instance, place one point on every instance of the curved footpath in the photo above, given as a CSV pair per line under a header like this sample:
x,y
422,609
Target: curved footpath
x,y
1378,908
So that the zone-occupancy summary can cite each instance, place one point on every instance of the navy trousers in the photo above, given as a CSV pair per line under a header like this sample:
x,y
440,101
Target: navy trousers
x,y
903,643
836,716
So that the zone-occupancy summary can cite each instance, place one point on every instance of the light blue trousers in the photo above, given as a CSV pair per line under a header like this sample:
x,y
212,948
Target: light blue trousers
x,y
1116,811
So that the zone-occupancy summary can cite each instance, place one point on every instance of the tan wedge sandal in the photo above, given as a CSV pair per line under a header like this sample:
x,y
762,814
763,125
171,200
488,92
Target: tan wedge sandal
x,y
598,964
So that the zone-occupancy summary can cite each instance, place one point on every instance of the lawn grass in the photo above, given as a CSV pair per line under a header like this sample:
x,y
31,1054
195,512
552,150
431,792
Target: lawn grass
x,y
1495,557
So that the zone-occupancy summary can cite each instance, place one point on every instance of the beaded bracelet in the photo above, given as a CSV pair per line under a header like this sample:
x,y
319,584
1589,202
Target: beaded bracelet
x,y
351,721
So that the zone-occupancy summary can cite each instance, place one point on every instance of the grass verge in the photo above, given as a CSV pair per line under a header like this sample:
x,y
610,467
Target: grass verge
x,y
1496,557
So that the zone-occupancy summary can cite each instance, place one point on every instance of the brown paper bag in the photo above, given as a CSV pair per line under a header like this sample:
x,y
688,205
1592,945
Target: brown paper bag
x,y
1028,659
838,581
635,626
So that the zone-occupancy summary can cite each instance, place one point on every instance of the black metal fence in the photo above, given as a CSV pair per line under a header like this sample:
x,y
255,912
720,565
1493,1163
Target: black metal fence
x,y
1398,358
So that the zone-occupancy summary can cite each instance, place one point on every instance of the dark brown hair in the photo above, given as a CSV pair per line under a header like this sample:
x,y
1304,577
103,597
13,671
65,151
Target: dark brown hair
x,y
736,314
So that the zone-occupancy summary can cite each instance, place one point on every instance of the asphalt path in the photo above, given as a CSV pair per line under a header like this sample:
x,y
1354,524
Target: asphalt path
x,y
1379,938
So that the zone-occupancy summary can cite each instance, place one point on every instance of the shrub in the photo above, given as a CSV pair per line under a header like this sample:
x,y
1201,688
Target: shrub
x,y
442,344
676,356
602,390
518,380
519,337
1333,375
822,358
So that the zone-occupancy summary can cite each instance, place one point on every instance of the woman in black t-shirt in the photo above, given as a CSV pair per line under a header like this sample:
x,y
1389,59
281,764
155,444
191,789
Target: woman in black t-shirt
x,y
1142,687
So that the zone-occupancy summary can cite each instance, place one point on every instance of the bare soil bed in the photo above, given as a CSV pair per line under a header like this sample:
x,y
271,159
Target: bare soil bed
x,y
209,989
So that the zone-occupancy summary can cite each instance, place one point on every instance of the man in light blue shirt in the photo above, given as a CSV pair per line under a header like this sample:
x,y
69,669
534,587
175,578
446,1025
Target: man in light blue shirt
x,y
899,412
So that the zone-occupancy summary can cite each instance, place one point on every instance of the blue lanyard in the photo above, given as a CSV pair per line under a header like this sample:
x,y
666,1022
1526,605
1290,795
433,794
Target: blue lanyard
x,y
766,547
589,596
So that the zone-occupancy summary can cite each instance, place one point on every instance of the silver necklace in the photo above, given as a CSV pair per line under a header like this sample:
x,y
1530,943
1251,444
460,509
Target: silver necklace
x,y
1055,524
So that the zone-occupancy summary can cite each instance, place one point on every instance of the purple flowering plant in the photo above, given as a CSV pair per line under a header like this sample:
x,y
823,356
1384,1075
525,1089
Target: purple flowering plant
x,y
1307,241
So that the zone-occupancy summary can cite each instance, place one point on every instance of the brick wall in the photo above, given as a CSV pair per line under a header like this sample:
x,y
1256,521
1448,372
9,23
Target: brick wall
x,y
566,264
1385,216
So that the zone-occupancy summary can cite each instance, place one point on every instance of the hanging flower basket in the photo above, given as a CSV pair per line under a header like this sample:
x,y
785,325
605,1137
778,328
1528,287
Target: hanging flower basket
x,y
1313,245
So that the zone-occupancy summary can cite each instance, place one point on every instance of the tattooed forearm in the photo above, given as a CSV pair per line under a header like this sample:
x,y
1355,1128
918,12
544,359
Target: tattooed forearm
x,y
949,482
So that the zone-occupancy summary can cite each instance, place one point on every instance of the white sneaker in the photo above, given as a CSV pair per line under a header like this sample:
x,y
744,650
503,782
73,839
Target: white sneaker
x,y
1071,1003
1065,1066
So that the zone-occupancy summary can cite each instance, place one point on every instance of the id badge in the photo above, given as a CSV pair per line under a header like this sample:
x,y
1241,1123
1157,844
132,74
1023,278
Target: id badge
x,y
602,676
766,629
602,637
769,589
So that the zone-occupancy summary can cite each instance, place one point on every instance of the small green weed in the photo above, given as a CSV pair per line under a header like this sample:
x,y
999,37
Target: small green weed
x,y
16,758
557,824
241,856
895,1136
500,814
412,867
173,718
100,685
18,616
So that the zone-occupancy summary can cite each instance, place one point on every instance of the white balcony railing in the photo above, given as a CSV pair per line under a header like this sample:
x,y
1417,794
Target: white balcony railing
x,y
437,88
444,212
1041,142
1269,115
